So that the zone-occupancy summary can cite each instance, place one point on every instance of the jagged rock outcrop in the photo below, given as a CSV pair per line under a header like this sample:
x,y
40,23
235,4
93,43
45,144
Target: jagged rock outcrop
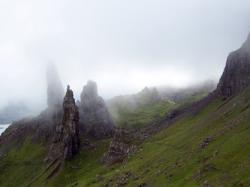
x,y
148,96
94,115
120,147
236,75
55,89
66,141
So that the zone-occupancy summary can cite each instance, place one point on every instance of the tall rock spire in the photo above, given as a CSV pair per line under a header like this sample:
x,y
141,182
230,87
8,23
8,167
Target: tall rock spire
x,y
55,89
94,115
236,75
66,142
70,126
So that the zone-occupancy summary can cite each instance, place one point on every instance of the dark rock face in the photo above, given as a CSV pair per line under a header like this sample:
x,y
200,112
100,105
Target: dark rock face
x,y
94,115
66,142
55,89
236,75
120,147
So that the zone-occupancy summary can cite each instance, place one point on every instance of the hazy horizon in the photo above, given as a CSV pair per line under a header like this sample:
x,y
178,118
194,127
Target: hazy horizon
x,y
123,46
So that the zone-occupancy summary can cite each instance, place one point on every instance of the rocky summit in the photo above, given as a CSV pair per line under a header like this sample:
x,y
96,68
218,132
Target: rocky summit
x,y
236,76
94,116
66,141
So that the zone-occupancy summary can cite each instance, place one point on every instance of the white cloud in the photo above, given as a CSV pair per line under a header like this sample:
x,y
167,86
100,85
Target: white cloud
x,y
123,45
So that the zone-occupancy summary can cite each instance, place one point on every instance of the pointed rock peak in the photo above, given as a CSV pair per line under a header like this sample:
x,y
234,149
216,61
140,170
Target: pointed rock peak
x,y
66,142
94,115
91,88
246,44
236,75
146,89
69,92
89,91
55,89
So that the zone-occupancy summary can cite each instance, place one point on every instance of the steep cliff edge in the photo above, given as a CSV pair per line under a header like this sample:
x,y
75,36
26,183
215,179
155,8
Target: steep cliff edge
x,y
236,76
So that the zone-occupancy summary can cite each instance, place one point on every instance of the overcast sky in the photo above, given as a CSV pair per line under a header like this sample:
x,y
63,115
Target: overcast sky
x,y
124,45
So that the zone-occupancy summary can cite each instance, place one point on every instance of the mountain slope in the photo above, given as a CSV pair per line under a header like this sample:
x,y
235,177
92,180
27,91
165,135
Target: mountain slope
x,y
201,144
183,154
205,149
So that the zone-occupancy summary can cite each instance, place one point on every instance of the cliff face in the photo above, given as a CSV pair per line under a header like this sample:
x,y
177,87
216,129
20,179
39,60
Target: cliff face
x,y
94,115
236,75
66,141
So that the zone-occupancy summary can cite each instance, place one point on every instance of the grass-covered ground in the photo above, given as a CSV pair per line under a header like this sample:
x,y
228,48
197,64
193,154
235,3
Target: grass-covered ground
x,y
173,157
144,115
147,114
21,164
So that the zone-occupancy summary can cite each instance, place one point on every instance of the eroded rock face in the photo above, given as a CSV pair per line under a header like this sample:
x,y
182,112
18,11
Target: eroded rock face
x,y
120,147
66,142
94,115
236,75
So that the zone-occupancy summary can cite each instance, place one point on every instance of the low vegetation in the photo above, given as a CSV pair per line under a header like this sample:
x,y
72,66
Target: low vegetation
x,y
205,149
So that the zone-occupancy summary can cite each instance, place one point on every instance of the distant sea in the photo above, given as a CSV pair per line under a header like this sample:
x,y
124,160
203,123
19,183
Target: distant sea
x,y
3,127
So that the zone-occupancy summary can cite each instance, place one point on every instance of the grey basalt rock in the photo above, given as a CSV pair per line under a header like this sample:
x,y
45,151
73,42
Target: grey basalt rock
x,y
66,142
94,116
236,75
120,147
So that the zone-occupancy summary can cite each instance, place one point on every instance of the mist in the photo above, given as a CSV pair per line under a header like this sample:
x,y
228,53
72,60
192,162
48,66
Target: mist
x,y
122,45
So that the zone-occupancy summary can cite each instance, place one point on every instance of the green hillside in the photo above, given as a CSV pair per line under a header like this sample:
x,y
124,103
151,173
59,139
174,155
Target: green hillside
x,y
209,149
127,114
144,115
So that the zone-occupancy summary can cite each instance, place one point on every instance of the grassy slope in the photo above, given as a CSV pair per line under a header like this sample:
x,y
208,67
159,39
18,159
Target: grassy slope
x,y
172,157
21,164
143,115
